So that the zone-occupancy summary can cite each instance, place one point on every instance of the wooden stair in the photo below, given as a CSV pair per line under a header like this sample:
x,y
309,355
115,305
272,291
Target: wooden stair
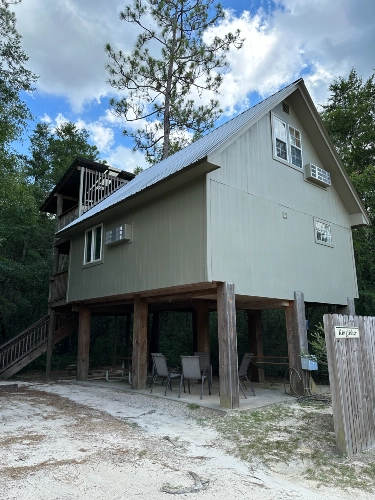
x,y
32,342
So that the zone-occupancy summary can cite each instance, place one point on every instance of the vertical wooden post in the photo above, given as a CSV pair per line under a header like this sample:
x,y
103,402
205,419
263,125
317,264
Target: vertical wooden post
x,y
83,353
127,335
139,358
80,204
51,333
195,329
348,310
155,333
115,335
254,324
228,362
56,260
297,338
203,332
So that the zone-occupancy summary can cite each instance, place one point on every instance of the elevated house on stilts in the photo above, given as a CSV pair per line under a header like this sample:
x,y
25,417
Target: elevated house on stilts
x,y
255,215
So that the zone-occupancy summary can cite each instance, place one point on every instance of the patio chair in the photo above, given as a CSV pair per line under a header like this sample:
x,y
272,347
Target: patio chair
x,y
153,354
191,370
242,373
205,364
162,370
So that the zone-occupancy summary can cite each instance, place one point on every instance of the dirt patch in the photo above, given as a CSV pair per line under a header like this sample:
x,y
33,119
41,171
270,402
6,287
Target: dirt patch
x,y
65,441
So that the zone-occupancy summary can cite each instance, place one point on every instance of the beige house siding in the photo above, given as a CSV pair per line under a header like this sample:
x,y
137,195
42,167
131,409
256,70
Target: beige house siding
x,y
250,242
168,248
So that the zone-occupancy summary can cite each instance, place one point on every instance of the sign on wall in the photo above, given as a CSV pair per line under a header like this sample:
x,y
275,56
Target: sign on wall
x,y
345,332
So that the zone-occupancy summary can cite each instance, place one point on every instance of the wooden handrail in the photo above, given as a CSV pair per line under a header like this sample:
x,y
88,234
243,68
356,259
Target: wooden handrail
x,y
28,340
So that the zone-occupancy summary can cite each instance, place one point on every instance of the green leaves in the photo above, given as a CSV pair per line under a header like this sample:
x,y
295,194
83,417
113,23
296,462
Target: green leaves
x,y
349,118
169,64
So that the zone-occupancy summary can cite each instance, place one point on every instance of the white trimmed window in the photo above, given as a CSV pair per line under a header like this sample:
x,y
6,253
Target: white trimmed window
x,y
280,138
295,147
93,244
323,232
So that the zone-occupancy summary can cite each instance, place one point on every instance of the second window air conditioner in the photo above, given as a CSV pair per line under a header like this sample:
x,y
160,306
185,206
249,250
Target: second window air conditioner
x,y
317,175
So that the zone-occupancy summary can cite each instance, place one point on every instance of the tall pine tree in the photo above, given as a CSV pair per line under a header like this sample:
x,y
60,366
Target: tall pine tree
x,y
170,63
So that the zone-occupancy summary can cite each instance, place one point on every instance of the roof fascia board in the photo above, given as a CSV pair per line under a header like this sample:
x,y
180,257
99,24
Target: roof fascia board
x,y
319,124
180,177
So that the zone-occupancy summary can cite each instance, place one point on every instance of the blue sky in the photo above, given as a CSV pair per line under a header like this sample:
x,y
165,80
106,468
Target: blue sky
x,y
284,40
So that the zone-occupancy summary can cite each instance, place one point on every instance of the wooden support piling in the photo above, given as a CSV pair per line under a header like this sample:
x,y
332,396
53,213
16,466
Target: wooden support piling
x,y
203,332
297,339
83,353
139,358
254,323
348,310
115,335
228,362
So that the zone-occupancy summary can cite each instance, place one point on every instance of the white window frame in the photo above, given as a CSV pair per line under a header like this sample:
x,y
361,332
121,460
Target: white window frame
x,y
288,142
328,243
295,146
93,246
276,119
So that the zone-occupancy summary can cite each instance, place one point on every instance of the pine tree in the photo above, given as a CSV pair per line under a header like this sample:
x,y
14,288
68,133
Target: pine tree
x,y
170,63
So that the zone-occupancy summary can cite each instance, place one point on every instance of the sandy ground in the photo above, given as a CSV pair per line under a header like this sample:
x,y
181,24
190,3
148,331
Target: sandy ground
x,y
73,441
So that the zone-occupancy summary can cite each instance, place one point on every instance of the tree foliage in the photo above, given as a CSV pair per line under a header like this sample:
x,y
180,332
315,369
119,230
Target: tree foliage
x,y
349,118
51,153
169,63
14,77
12,57
26,235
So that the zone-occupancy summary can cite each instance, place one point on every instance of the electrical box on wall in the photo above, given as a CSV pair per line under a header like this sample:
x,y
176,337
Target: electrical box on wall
x,y
317,175
120,234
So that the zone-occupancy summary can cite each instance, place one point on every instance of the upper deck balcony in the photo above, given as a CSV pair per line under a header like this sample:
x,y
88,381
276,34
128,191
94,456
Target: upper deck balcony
x,y
85,184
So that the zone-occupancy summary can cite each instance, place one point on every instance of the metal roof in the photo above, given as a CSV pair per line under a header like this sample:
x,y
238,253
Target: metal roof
x,y
191,154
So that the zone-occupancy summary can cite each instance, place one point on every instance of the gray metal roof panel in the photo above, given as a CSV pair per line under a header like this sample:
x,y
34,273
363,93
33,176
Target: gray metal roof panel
x,y
187,156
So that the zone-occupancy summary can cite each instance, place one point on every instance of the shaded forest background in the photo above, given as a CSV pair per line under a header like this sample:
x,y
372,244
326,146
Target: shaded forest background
x,y
26,235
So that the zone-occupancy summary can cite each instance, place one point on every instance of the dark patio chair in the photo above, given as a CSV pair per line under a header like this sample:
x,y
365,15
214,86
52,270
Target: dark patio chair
x,y
191,370
162,370
242,373
205,364
153,354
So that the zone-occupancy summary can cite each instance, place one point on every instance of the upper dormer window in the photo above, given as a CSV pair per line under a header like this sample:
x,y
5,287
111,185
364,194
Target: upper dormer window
x,y
280,138
295,147
287,142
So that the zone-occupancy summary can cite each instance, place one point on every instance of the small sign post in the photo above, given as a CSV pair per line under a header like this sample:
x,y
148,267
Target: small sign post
x,y
345,332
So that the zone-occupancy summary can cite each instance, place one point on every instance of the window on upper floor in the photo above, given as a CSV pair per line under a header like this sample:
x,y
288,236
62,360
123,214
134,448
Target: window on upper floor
x,y
280,138
93,244
295,147
287,142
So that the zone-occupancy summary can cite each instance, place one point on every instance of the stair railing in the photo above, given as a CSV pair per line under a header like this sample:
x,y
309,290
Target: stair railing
x,y
20,346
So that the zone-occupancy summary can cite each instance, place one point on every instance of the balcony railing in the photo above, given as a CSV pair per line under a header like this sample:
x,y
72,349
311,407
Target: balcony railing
x,y
68,217
58,287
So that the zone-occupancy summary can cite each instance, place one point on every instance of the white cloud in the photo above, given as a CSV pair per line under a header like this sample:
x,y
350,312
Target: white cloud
x,y
46,118
101,136
65,42
125,159
316,38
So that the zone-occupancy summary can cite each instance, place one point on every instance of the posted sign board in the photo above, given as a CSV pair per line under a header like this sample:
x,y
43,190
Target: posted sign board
x,y
346,332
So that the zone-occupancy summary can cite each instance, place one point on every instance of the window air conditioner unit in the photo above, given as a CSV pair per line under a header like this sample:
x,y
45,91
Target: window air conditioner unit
x,y
317,175
119,234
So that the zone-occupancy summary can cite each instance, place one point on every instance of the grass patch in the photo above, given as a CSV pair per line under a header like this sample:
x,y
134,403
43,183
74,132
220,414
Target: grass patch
x,y
296,439
193,406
